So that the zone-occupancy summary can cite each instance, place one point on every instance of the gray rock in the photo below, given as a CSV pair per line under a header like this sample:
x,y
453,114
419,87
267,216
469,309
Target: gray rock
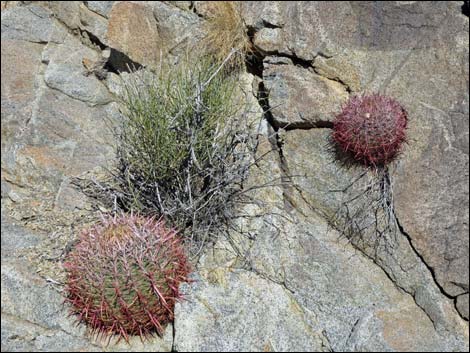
x,y
244,312
100,7
183,5
300,98
23,336
66,72
462,305
67,12
257,14
30,23
178,28
93,23
267,40
296,253
432,180
371,55
358,26
18,89
16,237
22,291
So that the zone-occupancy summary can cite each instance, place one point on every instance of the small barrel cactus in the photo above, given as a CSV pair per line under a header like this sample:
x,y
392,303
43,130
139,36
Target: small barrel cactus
x,y
123,276
371,129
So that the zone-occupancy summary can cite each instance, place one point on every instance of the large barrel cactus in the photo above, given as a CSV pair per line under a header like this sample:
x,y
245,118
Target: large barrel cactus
x,y
371,129
123,276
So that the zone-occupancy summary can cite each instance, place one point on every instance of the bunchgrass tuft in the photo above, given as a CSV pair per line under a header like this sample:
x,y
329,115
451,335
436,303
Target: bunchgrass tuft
x,y
226,31
185,147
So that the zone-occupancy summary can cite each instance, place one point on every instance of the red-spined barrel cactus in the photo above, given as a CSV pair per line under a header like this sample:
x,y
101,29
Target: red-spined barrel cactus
x,y
123,276
371,129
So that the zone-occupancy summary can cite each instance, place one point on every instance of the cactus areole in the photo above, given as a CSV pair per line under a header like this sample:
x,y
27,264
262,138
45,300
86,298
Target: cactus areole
x,y
123,276
371,129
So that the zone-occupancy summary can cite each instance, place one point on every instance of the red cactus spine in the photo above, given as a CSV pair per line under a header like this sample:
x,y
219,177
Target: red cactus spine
x,y
371,129
123,276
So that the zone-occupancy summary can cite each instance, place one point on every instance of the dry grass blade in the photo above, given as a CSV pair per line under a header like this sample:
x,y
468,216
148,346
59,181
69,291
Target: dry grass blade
x,y
226,31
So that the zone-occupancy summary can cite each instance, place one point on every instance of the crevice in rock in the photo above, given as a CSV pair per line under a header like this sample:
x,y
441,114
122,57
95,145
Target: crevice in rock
x,y
254,64
306,64
336,79
296,61
267,24
97,13
389,274
430,269
301,125
466,8
277,144
84,34
173,344
119,62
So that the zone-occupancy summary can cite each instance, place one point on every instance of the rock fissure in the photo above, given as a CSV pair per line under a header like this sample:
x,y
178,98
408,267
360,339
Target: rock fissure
x,y
430,269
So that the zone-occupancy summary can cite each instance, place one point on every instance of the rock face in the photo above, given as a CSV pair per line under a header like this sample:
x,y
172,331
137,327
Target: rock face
x,y
284,279
299,97
148,31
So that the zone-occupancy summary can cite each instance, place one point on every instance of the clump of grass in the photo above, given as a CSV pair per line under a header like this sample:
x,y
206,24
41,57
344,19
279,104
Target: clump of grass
x,y
185,147
226,30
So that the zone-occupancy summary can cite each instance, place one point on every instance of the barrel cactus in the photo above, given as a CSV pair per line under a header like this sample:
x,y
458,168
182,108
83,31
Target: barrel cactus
x,y
123,276
371,129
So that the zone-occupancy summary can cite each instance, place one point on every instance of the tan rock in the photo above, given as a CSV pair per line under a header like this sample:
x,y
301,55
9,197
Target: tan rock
x,y
133,30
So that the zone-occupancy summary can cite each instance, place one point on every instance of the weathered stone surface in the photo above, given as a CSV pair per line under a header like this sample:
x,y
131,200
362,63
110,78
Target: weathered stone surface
x,y
262,314
372,55
65,138
298,97
462,305
184,5
32,23
257,14
68,12
93,23
23,336
21,293
318,175
267,40
16,237
18,88
301,276
432,181
7,4
102,8
307,30
66,73
152,31
133,30
319,179
296,252
180,30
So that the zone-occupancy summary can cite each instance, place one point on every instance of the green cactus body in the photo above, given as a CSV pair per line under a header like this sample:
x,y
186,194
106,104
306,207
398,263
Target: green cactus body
x,y
123,276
